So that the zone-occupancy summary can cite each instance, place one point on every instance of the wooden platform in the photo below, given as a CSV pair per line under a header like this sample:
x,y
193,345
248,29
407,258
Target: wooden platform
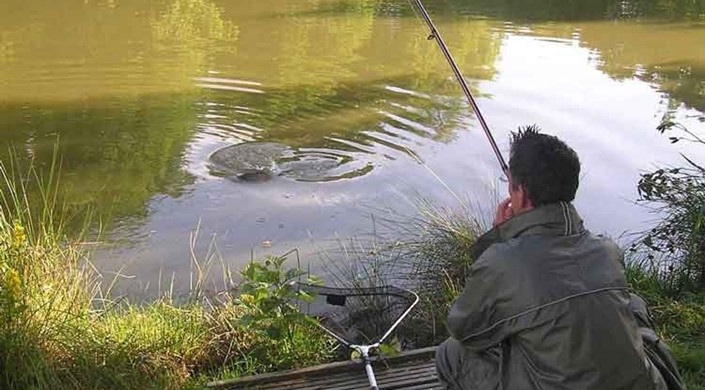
x,y
412,370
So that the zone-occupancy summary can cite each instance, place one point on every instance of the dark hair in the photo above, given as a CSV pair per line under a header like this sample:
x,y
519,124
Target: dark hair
x,y
545,166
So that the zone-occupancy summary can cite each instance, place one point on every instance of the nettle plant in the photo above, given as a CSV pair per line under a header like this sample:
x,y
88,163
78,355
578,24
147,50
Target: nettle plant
x,y
270,302
678,194
283,336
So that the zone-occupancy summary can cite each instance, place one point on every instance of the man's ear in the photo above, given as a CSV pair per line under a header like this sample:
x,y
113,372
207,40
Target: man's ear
x,y
526,203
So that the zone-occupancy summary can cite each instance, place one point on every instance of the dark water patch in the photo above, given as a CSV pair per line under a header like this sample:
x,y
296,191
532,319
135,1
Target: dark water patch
x,y
528,10
114,155
681,82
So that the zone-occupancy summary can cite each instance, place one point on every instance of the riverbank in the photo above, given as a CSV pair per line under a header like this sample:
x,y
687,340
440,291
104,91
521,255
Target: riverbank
x,y
58,329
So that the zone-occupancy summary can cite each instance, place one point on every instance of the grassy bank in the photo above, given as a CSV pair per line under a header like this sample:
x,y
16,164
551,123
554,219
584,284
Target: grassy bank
x,y
680,319
59,330
56,331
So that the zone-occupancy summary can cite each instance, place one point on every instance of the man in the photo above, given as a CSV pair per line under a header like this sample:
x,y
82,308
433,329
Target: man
x,y
546,304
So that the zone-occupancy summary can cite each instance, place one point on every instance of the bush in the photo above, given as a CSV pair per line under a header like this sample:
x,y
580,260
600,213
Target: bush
x,y
678,241
286,338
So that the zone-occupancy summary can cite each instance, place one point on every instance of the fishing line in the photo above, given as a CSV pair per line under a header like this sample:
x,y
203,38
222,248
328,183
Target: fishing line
x,y
436,35
418,160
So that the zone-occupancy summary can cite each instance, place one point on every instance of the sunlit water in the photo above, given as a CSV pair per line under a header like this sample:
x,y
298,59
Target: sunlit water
x,y
138,95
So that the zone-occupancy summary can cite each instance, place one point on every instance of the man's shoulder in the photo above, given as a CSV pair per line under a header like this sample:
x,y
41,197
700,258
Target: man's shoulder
x,y
514,252
500,257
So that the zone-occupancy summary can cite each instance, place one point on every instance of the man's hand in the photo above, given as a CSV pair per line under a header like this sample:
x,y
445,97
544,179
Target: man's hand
x,y
504,212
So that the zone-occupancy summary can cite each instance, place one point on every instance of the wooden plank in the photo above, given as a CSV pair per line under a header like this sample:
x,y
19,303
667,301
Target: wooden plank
x,y
323,369
397,382
381,378
424,386
389,378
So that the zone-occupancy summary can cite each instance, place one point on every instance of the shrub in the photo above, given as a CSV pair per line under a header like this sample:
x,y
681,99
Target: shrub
x,y
679,239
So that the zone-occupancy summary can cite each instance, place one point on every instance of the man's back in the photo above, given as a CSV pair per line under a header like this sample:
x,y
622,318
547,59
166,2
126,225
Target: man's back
x,y
554,298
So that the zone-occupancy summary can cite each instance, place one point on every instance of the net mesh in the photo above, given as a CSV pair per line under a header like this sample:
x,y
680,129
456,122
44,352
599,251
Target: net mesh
x,y
360,316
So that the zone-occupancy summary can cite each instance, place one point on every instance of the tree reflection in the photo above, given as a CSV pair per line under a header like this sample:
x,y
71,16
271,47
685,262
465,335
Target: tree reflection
x,y
659,54
114,159
574,10
98,49
112,83
334,78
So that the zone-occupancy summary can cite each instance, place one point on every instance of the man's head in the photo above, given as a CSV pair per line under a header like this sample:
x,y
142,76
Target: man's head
x,y
542,168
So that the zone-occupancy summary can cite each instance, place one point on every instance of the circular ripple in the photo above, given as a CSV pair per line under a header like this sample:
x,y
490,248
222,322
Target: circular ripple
x,y
261,161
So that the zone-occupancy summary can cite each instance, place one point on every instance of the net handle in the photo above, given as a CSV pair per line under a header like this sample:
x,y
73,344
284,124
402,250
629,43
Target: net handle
x,y
402,316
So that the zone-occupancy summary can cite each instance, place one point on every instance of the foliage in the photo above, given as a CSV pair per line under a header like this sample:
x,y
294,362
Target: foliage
x,y
550,10
266,291
671,274
681,322
679,195
287,338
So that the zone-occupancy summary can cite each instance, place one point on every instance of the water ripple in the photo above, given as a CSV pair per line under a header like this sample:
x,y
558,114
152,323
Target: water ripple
x,y
331,133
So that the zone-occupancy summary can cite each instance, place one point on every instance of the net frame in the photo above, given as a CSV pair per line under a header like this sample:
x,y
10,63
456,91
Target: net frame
x,y
336,296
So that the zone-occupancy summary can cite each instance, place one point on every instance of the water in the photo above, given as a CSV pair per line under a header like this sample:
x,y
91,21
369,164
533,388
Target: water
x,y
138,94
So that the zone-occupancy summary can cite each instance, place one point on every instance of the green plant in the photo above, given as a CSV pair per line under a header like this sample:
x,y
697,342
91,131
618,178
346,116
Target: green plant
x,y
286,337
266,289
679,239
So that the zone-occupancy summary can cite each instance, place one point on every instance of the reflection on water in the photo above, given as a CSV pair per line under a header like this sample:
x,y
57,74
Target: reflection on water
x,y
140,94
648,52
74,51
543,10
115,155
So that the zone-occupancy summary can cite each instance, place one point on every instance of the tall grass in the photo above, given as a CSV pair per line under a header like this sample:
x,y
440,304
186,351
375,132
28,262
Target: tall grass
x,y
58,329
43,290
437,254
428,252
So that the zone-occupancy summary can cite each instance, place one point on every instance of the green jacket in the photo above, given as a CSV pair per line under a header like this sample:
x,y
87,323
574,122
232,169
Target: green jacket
x,y
554,298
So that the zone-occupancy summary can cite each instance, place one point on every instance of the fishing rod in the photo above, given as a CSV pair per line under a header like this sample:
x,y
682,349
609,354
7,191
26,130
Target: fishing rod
x,y
463,84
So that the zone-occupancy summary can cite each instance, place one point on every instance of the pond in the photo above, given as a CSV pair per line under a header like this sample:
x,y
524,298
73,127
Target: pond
x,y
358,110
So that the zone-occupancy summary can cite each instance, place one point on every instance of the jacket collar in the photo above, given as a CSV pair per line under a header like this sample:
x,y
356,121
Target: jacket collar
x,y
556,219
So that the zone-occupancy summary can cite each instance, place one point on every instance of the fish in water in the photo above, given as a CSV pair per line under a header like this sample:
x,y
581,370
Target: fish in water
x,y
259,161
249,162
